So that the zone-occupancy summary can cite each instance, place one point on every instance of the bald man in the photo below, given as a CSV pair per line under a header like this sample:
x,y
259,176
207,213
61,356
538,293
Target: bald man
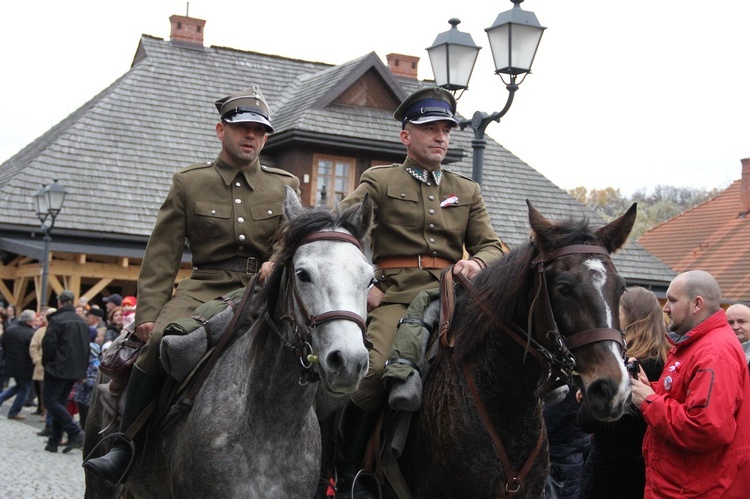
x,y
697,442
738,316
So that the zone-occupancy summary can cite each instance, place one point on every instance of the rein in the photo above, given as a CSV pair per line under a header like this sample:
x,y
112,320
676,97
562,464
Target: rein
x,y
301,341
560,361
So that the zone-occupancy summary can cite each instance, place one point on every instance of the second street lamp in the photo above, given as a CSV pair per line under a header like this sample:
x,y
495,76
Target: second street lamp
x,y
48,201
514,38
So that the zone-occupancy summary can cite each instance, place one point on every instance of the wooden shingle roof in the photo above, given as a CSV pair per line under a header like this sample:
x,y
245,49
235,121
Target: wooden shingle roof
x,y
116,154
713,236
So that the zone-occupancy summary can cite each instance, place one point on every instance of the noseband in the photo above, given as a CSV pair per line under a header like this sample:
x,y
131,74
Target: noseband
x,y
301,341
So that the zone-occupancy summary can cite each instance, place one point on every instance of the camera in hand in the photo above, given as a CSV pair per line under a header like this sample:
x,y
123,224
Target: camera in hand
x,y
633,367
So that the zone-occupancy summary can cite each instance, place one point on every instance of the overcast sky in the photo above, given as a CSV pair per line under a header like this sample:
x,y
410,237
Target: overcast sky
x,y
627,94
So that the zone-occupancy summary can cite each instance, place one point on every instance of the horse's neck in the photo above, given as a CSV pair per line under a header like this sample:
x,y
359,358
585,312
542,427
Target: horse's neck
x,y
273,374
502,372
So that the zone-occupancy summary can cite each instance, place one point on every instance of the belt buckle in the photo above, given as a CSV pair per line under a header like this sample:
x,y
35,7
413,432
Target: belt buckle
x,y
419,261
251,265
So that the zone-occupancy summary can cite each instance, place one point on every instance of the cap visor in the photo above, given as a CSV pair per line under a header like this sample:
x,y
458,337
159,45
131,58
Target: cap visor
x,y
429,119
250,118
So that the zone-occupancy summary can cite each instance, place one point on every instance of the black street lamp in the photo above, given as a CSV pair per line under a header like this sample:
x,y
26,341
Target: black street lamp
x,y
48,201
514,39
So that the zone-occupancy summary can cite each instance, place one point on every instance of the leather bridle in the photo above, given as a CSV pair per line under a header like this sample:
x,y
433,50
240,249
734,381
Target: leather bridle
x,y
559,361
300,341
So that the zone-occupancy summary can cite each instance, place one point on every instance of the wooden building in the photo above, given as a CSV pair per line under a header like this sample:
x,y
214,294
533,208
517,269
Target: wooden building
x,y
117,153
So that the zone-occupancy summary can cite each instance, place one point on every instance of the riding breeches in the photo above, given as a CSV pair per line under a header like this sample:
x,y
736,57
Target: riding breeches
x,y
382,325
179,307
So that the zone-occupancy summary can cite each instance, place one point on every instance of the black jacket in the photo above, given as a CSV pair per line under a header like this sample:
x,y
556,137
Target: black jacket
x,y
65,347
615,468
16,341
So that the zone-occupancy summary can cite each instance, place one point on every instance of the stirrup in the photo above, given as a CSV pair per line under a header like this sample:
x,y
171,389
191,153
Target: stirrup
x,y
361,473
121,481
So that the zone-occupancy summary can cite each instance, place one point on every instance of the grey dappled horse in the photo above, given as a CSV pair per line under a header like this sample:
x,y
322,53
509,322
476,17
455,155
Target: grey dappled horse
x,y
252,431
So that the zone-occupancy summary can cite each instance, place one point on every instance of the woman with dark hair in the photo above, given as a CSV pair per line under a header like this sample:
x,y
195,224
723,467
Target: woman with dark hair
x,y
114,324
615,467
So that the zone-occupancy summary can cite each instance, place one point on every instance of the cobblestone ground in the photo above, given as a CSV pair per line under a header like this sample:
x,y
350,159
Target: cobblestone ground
x,y
30,472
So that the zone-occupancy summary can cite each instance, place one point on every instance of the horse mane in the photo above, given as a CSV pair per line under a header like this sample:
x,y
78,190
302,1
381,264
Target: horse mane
x,y
506,286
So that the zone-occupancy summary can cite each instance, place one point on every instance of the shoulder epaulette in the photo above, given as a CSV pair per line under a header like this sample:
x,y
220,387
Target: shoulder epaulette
x,y
381,167
277,171
445,170
197,166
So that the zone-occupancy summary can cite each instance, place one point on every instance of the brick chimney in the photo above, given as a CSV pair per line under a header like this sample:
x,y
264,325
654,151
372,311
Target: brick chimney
x,y
403,65
745,186
187,29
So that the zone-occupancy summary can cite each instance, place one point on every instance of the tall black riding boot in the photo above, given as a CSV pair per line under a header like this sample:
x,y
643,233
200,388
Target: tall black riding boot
x,y
113,466
355,428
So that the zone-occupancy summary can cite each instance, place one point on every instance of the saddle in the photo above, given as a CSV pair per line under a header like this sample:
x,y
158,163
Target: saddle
x,y
193,346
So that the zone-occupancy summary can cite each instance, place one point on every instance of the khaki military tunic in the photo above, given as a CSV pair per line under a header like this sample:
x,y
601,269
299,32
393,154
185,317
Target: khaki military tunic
x,y
410,222
221,213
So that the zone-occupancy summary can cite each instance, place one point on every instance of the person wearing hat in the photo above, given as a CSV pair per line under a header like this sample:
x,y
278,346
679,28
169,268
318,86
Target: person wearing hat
x,y
228,211
65,357
112,301
425,216
95,318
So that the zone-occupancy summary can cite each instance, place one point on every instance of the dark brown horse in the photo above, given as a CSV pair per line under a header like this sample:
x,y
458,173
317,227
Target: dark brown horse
x,y
480,432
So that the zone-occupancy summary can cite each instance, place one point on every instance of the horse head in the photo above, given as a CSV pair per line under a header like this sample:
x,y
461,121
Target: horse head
x,y
329,277
584,291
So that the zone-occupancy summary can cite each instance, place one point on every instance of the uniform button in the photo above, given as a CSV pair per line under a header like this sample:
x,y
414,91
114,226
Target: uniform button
x,y
240,248
431,226
403,195
431,197
210,225
213,212
208,162
434,253
270,212
242,237
238,184
240,220
432,239
429,183
432,212
237,201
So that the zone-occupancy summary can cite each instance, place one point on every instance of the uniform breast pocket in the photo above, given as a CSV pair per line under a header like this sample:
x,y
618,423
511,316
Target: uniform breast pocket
x,y
211,221
266,218
456,216
402,208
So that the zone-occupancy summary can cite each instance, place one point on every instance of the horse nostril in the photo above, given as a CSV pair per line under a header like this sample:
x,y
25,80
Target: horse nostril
x,y
599,397
335,360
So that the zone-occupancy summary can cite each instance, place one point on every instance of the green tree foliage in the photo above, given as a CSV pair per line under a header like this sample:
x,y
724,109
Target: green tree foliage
x,y
663,203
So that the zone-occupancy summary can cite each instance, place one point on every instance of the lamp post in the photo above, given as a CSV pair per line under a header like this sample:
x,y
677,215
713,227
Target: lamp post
x,y
514,38
48,201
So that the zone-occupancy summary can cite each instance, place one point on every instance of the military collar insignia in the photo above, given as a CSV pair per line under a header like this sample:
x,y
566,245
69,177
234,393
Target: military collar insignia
x,y
423,175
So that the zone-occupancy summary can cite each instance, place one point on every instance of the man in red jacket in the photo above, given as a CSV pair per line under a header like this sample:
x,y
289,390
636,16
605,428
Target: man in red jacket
x,y
697,443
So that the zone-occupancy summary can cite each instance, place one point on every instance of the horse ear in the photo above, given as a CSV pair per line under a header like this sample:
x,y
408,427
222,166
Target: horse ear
x,y
292,206
368,214
615,234
540,226
359,218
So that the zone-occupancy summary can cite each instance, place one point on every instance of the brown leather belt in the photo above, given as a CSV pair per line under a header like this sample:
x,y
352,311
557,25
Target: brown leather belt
x,y
247,265
421,262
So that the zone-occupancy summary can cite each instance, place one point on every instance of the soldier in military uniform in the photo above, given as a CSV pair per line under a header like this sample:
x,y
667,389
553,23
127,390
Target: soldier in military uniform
x,y
228,211
426,216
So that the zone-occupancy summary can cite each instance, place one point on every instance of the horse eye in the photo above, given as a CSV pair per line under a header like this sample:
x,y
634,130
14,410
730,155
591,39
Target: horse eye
x,y
564,290
303,276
